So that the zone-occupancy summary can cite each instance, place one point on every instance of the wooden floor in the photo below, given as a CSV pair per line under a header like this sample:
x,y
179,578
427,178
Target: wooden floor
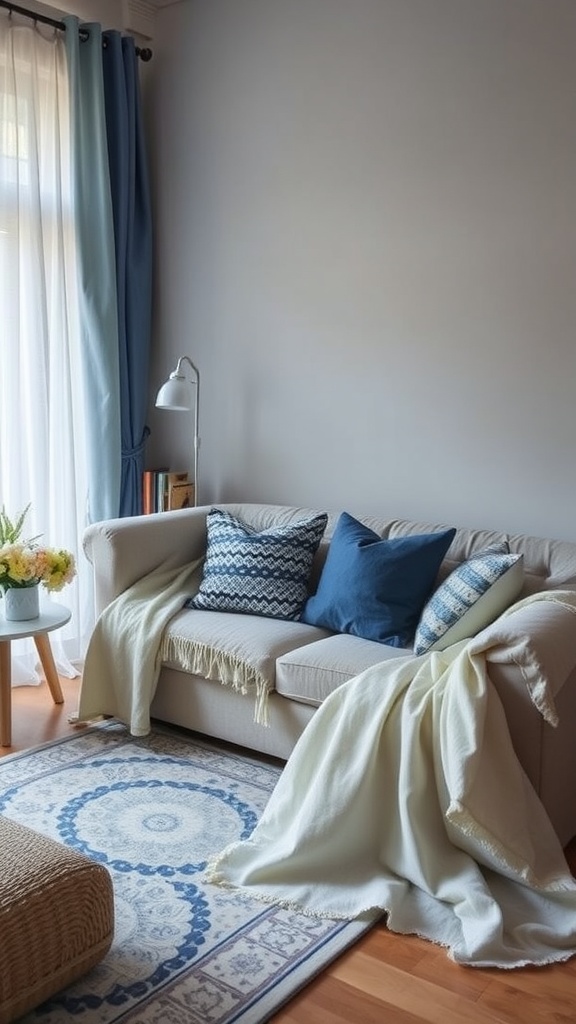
x,y
384,978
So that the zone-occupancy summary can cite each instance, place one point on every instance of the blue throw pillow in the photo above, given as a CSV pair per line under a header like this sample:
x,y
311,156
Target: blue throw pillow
x,y
264,573
471,597
376,588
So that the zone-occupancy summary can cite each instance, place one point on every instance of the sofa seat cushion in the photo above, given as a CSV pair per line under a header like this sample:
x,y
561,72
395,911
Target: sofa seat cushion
x,y
240,650
310,674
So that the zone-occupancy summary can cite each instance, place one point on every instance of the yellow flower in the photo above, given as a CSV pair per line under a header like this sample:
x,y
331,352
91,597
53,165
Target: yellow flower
x,y
25,563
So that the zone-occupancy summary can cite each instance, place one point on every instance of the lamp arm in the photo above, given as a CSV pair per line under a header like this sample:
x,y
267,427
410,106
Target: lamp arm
x,y
178,372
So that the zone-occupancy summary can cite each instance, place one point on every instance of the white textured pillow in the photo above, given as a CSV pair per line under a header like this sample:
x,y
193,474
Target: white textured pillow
x,y
471,597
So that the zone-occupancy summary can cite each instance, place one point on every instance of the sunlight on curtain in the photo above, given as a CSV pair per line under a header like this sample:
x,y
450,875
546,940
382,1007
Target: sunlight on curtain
x,y
94,229
42,442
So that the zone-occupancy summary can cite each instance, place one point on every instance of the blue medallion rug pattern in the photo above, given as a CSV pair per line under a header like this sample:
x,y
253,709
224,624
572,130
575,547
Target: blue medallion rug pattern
x,y
153,810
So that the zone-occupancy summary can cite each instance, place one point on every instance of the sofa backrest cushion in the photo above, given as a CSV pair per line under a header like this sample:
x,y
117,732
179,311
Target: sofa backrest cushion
x,y
548,564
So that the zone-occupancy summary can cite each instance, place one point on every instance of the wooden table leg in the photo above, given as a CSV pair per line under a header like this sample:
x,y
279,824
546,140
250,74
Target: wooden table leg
x,y
42,642
5,695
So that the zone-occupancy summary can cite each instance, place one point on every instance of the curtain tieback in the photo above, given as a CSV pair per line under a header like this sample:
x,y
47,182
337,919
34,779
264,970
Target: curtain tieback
x,y
138,450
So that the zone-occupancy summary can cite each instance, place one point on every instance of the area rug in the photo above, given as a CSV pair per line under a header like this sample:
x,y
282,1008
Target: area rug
x,y
154,810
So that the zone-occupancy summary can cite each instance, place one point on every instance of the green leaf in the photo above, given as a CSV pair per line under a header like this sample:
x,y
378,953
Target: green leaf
x,y
9,531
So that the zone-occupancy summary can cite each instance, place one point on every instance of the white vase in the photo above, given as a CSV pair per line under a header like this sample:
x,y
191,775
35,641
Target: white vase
x,y
21,603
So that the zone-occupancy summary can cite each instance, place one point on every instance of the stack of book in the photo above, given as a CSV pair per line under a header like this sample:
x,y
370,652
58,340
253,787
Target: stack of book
x,y
163,491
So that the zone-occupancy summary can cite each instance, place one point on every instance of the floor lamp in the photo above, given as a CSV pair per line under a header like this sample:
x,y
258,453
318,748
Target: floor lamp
x,y
177,394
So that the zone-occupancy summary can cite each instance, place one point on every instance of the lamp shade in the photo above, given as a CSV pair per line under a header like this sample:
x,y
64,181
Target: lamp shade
x,y
176,393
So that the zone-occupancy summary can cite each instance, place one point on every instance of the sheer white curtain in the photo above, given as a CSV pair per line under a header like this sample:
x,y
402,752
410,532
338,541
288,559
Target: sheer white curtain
x,y
42,442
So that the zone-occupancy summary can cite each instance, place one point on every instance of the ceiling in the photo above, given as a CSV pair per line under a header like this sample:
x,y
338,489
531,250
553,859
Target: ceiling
x,y
137,15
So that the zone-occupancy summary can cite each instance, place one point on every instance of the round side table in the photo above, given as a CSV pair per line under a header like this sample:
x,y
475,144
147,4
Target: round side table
x,y
52,616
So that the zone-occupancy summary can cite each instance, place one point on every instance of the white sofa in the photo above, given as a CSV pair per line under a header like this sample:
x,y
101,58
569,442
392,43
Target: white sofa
x,y
305,663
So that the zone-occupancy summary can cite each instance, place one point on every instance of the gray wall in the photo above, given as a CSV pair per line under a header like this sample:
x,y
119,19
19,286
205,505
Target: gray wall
x,y
366,240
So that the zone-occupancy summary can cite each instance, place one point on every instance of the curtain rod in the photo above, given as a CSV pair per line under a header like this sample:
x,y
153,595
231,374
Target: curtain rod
x,y
144,53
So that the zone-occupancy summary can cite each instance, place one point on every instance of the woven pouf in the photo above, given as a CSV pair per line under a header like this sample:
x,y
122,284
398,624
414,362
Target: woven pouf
x,y
56,917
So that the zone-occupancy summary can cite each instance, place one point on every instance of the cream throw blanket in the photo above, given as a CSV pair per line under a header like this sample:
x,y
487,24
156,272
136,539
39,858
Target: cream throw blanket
x,y
129,644
404,794
124,655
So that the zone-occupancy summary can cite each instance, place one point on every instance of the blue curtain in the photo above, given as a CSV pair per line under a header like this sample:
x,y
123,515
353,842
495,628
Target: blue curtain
x,y
133,249
97,271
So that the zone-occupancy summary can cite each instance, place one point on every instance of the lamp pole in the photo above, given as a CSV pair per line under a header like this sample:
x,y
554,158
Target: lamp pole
x,y
172,395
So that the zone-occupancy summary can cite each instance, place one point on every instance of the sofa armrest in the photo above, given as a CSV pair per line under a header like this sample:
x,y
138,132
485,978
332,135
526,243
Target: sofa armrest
x,y
122,551
538,637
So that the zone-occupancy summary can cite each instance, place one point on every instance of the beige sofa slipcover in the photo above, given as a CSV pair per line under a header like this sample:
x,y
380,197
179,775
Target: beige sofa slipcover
x,y
304,663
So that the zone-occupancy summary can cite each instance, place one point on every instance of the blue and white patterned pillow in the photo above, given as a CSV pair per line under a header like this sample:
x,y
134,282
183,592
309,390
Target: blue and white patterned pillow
x,y
257,573
469,599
